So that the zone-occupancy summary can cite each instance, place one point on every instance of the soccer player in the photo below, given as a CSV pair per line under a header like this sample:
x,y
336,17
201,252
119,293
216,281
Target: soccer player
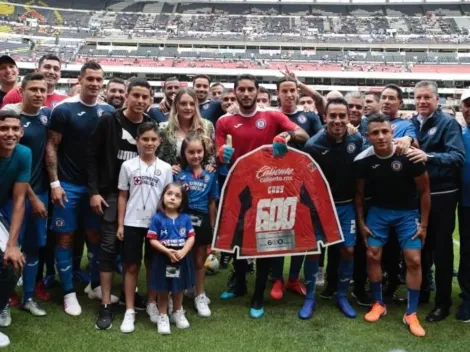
x,y
35,120
15,173
112,142
440,138
250,129
371,104
209,109
8,76
463,313
216,90
264,98
334,150
50,66
394,183
160,113
72,123
115,93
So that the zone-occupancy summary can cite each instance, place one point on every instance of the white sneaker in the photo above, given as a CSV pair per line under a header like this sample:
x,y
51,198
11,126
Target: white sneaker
x,y
152,311
71,305
87,289
163,324
4,340
96,293
5,317
320,277
127,325
170,304
32,307
179,319
202,307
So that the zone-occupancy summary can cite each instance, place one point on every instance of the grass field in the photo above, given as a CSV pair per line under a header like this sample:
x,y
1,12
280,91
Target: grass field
x,y
231,329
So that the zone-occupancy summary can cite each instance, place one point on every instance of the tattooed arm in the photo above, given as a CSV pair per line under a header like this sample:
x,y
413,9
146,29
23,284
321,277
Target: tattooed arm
x,y
57,192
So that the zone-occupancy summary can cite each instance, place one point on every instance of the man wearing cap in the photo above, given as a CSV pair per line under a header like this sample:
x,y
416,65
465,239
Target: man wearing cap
x,y
8,75
463,313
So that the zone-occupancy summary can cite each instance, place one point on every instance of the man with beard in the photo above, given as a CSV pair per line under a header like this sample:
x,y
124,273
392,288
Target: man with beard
x,y
160,113
8,76
50,66
115,93
209,109
250,129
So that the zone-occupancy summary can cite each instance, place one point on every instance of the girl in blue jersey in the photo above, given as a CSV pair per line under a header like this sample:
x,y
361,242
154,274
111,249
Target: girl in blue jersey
x,y
171,233
203,192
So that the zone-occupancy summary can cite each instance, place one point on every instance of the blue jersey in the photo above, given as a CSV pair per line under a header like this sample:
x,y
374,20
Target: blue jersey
x,y
75,121
465,201
308,121
336,160
35,138
170,232
15,168
157,115
211,110
390,180
200,188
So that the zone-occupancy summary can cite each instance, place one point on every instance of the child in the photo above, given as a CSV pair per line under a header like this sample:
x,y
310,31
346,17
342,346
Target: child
x,y
203,192
172,235
141,183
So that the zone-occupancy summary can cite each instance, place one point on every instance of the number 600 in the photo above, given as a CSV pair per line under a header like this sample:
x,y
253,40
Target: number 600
x,y
276,214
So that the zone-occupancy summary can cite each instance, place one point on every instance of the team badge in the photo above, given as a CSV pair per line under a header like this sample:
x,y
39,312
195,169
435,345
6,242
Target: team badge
x,y
432,131
260,124
137,180
302,118
54,103
205,106
207,178
185,186
396,165
158,172
182,231
43,119
59,222
100,112
351,148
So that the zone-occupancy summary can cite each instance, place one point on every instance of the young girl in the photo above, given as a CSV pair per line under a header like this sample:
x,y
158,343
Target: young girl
x,y
203,192
172,235
141,183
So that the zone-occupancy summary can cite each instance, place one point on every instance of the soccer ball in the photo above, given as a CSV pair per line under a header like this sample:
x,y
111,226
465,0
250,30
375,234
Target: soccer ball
x,y
212,264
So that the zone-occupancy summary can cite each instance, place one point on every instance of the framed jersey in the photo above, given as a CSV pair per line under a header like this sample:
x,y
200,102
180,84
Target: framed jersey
x,y
275,206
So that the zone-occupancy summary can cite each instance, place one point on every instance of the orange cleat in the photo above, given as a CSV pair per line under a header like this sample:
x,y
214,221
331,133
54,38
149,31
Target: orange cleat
x,y
414,325
377,312
297,287
277,292
40,292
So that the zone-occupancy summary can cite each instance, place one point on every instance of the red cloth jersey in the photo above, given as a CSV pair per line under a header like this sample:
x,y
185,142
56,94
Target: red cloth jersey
x,y
275,207
14,97
251,132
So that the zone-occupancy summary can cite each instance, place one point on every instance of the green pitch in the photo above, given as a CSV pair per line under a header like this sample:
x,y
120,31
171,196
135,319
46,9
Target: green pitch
x,y
231,329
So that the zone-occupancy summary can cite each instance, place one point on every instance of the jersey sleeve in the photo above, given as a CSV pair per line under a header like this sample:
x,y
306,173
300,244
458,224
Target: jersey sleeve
x,y
214,188
360,170
410,130
154,229
315,124
417,169
168,177
189,227
60,116
284,123
123,182
220,133
12,97
24,174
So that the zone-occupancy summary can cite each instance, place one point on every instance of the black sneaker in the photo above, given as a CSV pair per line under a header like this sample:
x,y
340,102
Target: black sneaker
x,y
225,260
139,302
362,298
328,292
463,313
105,318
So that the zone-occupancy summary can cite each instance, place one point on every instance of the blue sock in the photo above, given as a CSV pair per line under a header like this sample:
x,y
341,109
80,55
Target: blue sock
x,y
413,300
310,273
295,266
63,257
95,264
277,268
376,288
30,271
345,272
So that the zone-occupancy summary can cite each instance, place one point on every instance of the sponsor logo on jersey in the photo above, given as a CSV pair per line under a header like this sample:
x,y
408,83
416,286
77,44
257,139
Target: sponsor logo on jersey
x,y
43,119
81,113
351,148
27,124
375,166
302,118
59,222
128,137
396,165
238,125
269,174
432,131
164,232
324,152
260,124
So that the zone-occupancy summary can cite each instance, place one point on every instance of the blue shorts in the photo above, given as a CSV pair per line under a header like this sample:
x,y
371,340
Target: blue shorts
x,y
34,228
405,222
77,212
347,220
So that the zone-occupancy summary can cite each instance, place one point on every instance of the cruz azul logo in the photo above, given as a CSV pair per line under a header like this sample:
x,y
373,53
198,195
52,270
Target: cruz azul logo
x,y
270,174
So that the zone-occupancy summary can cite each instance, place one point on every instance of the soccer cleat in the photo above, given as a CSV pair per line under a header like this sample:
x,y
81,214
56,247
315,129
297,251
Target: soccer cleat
x,y
376,313
306,312
277,292
163,324
15,300
4,340
81,276
362,298
49,281
413,323
127,325
202,308
346,308
328,292
96,293
297,287
105,318
463,312
5,317
71,305
234,292
152,311
179,319
320,277
40,291
256,313
32,307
